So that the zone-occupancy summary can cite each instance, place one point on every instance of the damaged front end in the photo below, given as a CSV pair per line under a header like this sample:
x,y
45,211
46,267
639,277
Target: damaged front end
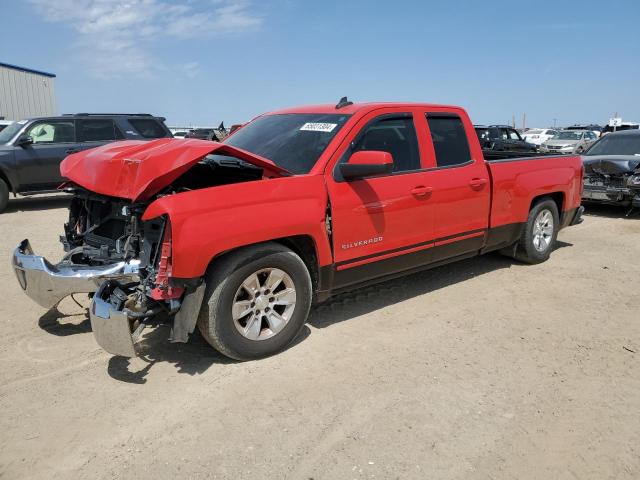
x,y
612,180
121,261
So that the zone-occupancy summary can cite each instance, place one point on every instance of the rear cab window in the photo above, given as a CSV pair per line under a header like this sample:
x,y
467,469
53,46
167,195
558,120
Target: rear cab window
x,y
148,127
449,140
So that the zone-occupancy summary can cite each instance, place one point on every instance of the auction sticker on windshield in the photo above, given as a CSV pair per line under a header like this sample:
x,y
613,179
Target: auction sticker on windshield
x,y
319,127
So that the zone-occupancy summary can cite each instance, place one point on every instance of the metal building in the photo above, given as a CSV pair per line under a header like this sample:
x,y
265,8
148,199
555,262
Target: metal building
x,y
25,93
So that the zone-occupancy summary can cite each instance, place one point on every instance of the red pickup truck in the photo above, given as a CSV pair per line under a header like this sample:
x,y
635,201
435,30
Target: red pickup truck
x,y
241,237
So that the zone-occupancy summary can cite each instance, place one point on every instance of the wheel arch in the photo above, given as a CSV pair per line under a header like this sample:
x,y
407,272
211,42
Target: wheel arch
x,y
557,197
302,245
5,177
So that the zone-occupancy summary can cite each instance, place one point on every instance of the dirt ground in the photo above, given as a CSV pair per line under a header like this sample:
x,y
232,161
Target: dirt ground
x,y
485,369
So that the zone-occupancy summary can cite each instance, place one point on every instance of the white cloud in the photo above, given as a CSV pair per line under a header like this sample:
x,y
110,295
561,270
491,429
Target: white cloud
x,y
115,37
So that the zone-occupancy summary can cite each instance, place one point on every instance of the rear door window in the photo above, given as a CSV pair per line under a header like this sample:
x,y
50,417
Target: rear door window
x,y
449,140
148,127
97,130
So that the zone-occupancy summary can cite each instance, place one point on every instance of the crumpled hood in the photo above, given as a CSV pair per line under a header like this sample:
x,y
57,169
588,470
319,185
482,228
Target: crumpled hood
x,y
137,170
610,164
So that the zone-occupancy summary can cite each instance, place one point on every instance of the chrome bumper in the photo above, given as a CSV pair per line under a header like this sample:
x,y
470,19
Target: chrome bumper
x,y
112,328
47,284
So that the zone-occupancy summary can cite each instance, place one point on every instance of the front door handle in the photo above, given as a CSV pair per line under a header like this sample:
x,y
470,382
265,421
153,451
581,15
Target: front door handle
x,y
478,183
72,150
421,191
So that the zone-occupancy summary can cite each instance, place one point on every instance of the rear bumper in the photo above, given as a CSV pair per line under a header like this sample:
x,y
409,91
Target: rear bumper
x,y
48,284
114,331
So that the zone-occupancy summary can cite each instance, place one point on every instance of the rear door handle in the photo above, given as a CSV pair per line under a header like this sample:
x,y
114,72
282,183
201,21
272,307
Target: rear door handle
x,y
421,191
72,150
478,183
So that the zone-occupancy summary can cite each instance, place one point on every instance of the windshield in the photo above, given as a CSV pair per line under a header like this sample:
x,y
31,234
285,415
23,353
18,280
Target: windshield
x,y
293,141
532,132
568,136
616,145
8,133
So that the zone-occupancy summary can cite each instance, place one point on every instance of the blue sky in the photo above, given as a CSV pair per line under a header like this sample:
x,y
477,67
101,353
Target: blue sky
x,y
203,61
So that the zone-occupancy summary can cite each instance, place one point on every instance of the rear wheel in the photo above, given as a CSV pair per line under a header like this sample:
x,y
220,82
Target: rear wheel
x,y
256,302
4,195
540,233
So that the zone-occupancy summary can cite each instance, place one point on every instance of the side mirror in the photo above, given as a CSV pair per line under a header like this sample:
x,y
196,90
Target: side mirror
x,y
367,163
24,140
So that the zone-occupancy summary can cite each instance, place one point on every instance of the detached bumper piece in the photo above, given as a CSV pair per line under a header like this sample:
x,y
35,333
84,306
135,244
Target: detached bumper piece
x,y
48,284
113,328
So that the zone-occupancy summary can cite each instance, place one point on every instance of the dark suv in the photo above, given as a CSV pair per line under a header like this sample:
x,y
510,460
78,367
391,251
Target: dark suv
x,y
31,150
502,138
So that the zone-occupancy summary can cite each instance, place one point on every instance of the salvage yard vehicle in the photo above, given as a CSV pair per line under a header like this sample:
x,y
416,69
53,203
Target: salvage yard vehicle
x,y
569,142
612,170
241,237
538,136
31,150
500,142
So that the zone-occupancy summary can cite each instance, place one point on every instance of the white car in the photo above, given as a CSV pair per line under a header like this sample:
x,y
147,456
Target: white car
x,y
4,124
538,136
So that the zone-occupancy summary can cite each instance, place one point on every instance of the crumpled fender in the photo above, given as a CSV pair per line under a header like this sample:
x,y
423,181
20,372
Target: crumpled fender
x,y
137,170
208,222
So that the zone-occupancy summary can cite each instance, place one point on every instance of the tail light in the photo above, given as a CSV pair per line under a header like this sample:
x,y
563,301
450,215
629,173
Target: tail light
x,y
162,289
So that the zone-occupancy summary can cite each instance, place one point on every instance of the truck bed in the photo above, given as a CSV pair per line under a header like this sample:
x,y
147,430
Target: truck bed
x,y
516,181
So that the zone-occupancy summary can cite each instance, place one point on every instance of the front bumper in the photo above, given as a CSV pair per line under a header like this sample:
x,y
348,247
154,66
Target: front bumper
x,y
114,331
611,194
48,284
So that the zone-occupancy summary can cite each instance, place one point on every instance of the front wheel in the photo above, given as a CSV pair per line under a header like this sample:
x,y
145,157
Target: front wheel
x,y
256,302
4,195
540,233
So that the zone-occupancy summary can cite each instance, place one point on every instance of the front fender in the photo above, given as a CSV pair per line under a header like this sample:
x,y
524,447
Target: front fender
x,y
7,169
211,221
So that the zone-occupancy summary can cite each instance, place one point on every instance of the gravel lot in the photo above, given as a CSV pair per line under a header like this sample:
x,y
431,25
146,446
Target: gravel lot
x,y
482,369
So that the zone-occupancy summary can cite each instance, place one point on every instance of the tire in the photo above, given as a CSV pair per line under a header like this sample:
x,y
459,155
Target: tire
x,y
536,243
226,295
4,195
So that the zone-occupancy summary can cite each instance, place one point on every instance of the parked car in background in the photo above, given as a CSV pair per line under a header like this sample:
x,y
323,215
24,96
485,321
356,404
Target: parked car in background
x,y
180,134
4,124
344,195
212,134
502,141
625,126
31,150
597,129
569,141
537,136
201,133
612,170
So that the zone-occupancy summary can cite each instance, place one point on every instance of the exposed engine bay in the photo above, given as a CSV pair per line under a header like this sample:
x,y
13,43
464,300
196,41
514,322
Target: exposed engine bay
x,y
612,180
103,230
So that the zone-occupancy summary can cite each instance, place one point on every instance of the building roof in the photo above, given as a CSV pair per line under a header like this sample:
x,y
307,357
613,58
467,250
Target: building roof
x,y
29,70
